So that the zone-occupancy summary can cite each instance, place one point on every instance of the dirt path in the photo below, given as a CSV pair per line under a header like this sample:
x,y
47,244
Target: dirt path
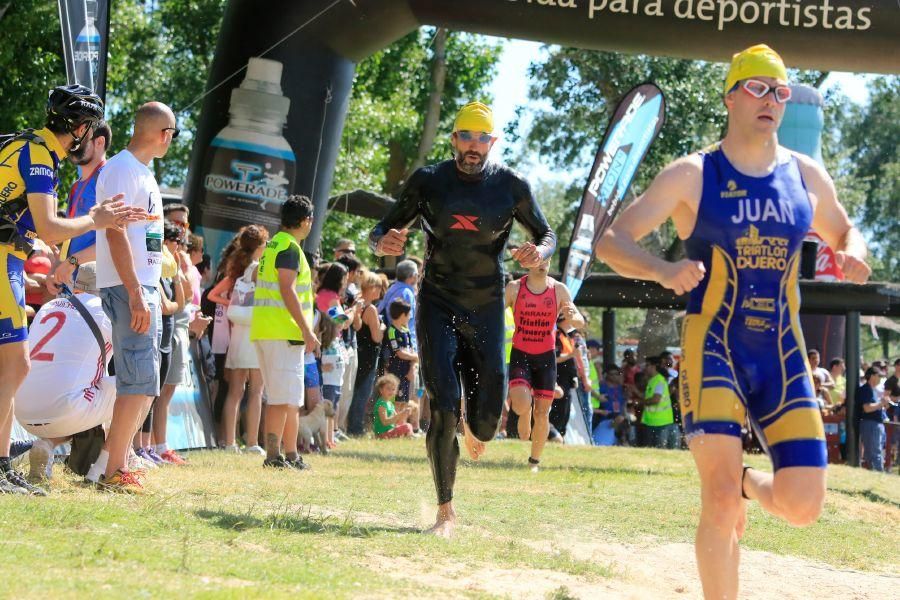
x,y
651,571
642,571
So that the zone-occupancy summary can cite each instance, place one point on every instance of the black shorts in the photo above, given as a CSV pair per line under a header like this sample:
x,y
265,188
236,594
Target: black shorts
x,y
534,371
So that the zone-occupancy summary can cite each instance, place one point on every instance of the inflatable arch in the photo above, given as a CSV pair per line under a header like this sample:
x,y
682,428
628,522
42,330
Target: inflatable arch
x,y
274,128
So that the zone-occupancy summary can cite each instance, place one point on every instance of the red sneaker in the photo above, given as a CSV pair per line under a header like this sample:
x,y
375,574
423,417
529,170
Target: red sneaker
x,y
170,456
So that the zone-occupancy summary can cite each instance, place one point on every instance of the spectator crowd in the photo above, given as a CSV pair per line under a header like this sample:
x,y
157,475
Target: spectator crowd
x,y
298,351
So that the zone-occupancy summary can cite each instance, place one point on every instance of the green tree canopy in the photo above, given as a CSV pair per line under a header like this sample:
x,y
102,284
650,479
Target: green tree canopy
x,y
576,91
386,114
872,137
154,54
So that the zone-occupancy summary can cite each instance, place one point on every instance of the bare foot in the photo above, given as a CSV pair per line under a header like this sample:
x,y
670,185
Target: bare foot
x,y
474,446
445,522
741,525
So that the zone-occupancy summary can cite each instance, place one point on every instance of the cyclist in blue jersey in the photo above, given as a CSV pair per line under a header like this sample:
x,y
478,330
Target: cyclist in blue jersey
x,y
90,158
743,207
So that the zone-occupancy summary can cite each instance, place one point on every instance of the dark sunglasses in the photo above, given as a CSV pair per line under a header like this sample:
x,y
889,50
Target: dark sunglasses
x,y
468,136
175,131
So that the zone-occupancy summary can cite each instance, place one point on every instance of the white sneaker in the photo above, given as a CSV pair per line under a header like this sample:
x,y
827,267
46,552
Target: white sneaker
x,y
136,461
233,449
255,450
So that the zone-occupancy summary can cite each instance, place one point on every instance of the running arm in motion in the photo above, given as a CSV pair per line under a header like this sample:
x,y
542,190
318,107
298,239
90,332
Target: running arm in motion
x,y
388,237
512,290
832,223
666,197
572,317
528,213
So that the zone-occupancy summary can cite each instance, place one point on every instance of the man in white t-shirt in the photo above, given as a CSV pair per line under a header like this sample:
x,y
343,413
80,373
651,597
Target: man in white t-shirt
x,y
815,365
129,266
66,352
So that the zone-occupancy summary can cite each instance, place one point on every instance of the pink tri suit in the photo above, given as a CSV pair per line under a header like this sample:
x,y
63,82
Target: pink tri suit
x,y
533,360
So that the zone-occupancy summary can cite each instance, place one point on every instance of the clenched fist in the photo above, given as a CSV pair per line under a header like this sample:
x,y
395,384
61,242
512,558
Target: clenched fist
x,y
682,276
392,243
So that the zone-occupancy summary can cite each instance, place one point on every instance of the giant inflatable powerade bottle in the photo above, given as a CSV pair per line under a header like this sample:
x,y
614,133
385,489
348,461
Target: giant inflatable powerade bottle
x,y
249,167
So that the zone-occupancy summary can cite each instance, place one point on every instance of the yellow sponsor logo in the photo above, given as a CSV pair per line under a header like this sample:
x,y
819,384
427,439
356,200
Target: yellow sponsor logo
x,y
733,191
759,304
757,324
761,252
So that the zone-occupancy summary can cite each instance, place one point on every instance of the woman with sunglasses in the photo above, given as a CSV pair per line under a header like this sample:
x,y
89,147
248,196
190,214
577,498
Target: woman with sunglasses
x,y
743,207
467,207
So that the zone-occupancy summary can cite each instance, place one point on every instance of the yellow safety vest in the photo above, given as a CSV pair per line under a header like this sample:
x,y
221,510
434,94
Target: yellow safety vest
x,y
595,383
510,324
271,319
657,415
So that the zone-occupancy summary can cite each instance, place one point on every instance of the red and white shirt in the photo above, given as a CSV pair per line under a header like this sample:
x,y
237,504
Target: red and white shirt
x,y
535,316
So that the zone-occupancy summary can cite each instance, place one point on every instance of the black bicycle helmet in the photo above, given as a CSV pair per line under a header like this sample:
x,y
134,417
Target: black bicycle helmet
x,y
71,105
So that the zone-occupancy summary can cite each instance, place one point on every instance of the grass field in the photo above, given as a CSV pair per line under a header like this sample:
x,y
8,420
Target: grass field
x,y
590,524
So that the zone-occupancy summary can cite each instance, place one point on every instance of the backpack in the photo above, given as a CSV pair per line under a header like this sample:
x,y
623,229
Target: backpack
x,y
9,232
26,134
240,310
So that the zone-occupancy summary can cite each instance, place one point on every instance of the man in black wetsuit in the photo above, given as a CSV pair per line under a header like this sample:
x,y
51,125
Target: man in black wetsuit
x,y
467,207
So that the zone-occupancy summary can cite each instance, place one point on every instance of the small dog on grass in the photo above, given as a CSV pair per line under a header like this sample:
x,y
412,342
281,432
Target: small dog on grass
x,y
313,428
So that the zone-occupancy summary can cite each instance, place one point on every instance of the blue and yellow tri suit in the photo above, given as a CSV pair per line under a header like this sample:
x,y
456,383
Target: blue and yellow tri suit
x,y
25,168
743,347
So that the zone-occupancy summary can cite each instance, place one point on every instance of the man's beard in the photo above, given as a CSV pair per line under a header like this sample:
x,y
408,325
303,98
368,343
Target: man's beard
x,y
79,157
467,167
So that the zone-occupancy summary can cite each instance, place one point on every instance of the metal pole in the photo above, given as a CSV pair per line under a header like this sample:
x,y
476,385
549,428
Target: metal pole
x,y
851,345
609,336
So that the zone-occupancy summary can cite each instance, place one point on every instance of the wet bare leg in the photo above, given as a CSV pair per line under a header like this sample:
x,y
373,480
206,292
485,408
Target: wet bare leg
x,y
722,514
474,446
795,494
741,526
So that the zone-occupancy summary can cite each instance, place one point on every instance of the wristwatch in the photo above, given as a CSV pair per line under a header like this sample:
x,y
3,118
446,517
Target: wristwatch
x,y
72,260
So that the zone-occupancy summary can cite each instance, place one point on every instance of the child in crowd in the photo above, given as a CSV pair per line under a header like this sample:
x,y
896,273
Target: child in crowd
x,y
333,366
402,359
311,376
823,396
388,421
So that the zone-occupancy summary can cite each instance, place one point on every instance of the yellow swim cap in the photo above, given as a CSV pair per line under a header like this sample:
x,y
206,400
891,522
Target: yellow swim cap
x,y
474,116
759,60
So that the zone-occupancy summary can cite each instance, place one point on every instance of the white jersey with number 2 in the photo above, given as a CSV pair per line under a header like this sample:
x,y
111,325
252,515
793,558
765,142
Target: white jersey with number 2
x,y
65,355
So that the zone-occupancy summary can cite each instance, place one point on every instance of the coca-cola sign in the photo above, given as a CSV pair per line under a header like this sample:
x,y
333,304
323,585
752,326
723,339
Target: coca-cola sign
x,y
827,268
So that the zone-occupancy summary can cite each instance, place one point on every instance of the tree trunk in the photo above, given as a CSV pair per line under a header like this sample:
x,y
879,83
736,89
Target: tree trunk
x,y
433,112
396,168
660,327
